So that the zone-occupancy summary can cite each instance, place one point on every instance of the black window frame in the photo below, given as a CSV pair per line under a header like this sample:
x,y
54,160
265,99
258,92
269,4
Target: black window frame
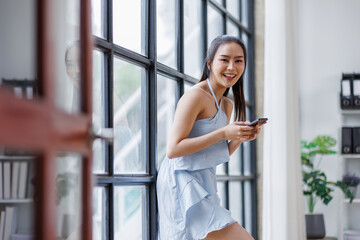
x,y
153,67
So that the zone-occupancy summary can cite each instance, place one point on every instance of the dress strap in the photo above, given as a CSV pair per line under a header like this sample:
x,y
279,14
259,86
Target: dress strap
x,y
212,92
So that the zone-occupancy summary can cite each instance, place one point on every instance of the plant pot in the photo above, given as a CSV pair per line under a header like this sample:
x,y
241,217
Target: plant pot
x,y
315,226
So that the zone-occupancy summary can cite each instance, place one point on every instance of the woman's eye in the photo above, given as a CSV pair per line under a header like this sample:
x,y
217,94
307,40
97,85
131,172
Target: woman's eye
x,y
224,60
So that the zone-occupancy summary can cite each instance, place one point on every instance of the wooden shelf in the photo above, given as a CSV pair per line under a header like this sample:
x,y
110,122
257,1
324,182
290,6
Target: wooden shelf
x,y
26,200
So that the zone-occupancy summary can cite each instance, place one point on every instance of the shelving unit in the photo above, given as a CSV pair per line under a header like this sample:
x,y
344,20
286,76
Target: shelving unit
x,y
23,207
349,163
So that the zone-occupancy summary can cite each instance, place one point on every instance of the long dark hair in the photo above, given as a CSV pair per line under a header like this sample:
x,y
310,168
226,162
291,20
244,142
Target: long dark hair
x,y
238,88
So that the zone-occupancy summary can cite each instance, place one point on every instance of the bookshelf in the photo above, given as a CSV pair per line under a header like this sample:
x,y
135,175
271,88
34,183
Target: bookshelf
x,y
349,163
16,196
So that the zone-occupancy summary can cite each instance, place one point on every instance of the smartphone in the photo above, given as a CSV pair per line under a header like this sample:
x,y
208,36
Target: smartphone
x,y
257,121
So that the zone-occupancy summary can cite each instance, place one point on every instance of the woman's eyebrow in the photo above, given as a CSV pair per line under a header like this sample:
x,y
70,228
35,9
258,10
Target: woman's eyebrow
x,y
229,56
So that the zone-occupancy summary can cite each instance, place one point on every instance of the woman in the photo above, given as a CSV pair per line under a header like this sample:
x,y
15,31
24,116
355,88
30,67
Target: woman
x,y
201,138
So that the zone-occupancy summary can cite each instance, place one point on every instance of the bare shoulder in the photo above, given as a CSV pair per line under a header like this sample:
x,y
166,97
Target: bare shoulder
x,y
228,106
193,99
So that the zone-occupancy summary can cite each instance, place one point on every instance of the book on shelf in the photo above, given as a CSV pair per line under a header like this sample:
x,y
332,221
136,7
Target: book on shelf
x,y
7,179
10,222
14,179
1,183
23,173
2,224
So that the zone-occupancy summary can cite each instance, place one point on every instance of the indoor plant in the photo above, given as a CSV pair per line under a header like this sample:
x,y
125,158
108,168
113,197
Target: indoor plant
x,y
315,183
352,181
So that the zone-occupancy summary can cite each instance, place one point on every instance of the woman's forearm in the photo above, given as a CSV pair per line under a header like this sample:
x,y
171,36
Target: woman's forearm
x,y
233,145
189,146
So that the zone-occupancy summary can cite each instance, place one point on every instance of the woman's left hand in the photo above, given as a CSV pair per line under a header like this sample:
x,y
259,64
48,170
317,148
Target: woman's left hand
x,y
256,130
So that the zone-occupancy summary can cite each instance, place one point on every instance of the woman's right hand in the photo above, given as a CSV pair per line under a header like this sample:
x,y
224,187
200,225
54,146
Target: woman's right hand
x,y
239,131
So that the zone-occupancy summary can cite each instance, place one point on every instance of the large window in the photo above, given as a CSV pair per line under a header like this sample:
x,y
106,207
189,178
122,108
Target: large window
x,y
146,54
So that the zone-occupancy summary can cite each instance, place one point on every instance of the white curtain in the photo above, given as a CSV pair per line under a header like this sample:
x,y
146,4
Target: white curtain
x,y
283,215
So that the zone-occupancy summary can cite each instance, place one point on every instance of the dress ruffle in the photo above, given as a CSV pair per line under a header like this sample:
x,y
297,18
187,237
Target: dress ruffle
x,y
189,206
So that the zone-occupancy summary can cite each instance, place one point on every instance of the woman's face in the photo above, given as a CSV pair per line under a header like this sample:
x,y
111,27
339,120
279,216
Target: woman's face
x,y
228,64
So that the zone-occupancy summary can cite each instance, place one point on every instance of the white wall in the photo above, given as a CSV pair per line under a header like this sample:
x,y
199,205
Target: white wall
x,y
328,39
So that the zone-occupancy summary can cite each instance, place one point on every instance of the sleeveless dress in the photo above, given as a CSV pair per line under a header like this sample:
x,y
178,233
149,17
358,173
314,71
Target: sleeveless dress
x,y
188,204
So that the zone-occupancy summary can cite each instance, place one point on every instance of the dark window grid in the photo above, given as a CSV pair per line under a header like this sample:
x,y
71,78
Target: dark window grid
x,y
227,14
139,58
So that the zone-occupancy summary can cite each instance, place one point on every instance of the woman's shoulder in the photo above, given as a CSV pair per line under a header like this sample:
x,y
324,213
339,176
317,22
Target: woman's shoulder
x,y
197,93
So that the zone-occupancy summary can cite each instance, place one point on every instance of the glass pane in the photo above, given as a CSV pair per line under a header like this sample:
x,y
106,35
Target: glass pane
x,y
129,24
166,96
222,193
98,17
247,158
166,49
68,195
245,13
192,38
215,24
98,110
18,191
67,55
99,213
130,213
248,206
127,99
247,92
234,163
233,6
235,158
235,201
232,29
220,169
219,1
18,45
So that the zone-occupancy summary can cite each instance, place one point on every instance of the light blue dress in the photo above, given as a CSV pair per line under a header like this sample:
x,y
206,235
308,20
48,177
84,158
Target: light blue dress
x,y
188,204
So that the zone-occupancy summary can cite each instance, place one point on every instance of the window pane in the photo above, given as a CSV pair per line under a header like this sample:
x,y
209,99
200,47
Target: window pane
x,y
235,201
245,13
220,169
99,213
222,193
67,55
127,98
232,29
215,24
247,80
166,96
219,1
192,38
68,193
130,213
166,32
129,24
248,206
233,7
234,163
247,158
98,17
98,110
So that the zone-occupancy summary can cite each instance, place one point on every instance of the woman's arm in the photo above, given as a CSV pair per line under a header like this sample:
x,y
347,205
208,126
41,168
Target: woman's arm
x,y
189,107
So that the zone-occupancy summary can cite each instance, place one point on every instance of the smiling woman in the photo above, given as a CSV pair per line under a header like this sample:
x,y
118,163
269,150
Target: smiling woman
x,y
202,138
